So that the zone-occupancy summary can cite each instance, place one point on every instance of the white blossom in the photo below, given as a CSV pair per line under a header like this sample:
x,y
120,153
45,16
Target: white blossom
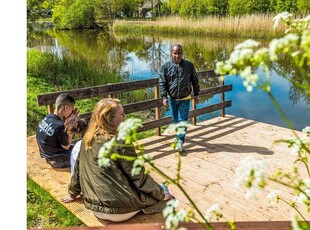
x,y
306,129
274,195
281,17
249,79
251,174
247,44
306,183
105,152
213,211
173,217
179,127
296,145
127,127
137,165
239,57
304,196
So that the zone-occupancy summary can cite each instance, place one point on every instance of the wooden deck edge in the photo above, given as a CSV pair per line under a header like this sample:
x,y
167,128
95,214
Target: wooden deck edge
x,y
251,225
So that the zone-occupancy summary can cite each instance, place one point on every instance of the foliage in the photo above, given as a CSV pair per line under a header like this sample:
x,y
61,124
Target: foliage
x,y
249,7
174,5
244,61
78,14
218,8
285,5
193,8
303,6
74,14
201,8
112,9
43,211
39,8
46,72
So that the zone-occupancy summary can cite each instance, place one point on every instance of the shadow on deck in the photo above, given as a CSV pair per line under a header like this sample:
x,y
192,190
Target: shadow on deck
x,y
213,150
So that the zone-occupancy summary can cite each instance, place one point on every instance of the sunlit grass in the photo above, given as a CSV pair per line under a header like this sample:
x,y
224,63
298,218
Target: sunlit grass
x,y
43,211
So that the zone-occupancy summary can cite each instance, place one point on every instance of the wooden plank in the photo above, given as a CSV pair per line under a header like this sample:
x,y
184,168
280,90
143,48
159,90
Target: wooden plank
x,y
206,74
144,105
95,91
157,123
242,225
109,89
209,109
168,120
215,90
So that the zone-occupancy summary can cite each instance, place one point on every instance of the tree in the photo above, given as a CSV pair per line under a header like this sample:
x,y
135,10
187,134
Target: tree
x,y
303,6
74,14
174,5
286,5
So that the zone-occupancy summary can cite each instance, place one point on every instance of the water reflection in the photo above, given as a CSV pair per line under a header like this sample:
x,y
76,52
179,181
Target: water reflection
x,y
139,57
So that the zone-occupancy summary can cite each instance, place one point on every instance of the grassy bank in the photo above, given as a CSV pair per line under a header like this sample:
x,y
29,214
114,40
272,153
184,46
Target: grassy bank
x,y
260,26
43,211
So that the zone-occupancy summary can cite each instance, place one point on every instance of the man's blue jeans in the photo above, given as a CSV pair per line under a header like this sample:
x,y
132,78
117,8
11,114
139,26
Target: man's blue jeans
x,y
179,110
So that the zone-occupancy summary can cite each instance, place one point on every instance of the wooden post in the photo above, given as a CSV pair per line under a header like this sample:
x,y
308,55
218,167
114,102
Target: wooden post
x,y
50,108
157,110
223,97
194,119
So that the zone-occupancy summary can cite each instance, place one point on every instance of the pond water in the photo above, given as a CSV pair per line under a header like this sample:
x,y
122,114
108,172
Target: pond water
x,y
139,57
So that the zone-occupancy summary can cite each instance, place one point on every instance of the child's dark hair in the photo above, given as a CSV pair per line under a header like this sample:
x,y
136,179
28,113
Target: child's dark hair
x,y
76,125
64,99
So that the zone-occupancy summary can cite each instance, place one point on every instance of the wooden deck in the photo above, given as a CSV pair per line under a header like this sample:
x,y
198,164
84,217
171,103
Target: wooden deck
x,y
213,150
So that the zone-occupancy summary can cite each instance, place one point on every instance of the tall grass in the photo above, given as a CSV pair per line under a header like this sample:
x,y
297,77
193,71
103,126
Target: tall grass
x,y
260,26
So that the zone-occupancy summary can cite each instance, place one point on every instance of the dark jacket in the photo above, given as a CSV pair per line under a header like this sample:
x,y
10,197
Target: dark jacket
x,y
177,80
112,189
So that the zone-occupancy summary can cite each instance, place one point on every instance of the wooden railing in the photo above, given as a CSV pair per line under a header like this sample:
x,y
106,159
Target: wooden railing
x,y
111,89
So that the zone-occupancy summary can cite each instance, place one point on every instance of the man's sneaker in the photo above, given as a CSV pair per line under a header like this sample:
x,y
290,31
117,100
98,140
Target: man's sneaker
x,y
179,146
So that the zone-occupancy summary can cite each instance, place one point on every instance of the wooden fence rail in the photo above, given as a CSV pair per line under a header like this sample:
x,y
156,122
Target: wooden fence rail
x,y
109,90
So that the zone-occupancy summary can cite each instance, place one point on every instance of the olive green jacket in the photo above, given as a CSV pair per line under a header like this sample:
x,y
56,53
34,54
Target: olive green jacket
x,y
112,189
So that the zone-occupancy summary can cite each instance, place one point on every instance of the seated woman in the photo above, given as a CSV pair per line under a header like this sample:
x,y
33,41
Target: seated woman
x,y
112,193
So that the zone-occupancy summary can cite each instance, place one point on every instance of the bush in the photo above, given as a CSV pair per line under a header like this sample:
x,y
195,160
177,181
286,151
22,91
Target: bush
x,y
79,14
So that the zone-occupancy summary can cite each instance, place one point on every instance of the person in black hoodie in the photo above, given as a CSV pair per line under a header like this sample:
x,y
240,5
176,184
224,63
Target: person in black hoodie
x,y
177,79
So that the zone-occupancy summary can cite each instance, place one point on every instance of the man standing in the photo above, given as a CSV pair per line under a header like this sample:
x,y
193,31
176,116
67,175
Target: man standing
x,y
177,79
53,141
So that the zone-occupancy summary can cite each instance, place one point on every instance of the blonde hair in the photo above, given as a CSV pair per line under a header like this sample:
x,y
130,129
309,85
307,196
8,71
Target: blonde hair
x,y
100,123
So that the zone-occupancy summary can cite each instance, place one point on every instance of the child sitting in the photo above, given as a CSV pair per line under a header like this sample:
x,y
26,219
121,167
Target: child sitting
x,y
78,126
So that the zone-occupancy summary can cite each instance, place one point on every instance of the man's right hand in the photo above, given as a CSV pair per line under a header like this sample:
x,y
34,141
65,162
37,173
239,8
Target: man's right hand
x,y
165,101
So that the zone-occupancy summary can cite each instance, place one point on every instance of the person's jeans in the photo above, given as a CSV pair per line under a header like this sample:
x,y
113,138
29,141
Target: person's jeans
x,y
179,110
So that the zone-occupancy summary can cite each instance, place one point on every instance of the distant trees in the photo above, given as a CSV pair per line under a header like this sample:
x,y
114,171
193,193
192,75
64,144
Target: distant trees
x,y
75,14
39,8
242,7
111,9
